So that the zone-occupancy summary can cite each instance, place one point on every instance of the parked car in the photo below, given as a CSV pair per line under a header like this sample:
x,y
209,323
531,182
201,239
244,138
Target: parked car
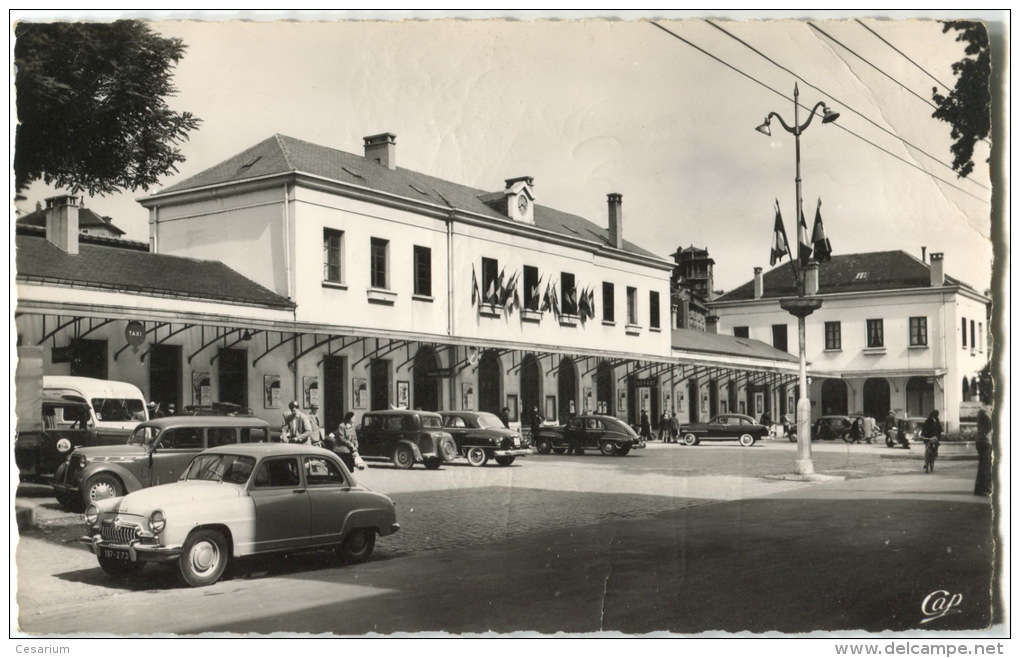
x,y
235,501
406,437
607,434
481,436
725,427
830,428
157,452
908,430
116,408
43,443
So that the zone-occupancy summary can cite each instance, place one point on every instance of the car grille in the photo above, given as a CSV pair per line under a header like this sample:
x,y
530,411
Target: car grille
x,y
122,534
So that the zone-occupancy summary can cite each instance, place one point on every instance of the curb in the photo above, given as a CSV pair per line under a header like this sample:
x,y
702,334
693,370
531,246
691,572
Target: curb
x,y
25,517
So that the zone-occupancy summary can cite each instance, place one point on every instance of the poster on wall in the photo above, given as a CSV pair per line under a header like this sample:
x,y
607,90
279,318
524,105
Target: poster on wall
x,y
271,388
511,405
644,396
588,397
360,389
704,402
680,403
665,400
403,395
467,396
310,387
759,404
623,402
550,407
201,386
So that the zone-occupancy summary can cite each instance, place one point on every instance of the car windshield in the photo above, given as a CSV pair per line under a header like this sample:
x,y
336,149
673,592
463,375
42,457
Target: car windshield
x,y
489,420
143,436
234,469
118,410
619,426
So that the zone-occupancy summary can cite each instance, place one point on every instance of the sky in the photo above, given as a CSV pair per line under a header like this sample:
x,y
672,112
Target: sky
x,y
594,106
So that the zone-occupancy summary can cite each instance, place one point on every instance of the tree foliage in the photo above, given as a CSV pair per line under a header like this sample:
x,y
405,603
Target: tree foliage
x,y
967,107
91,106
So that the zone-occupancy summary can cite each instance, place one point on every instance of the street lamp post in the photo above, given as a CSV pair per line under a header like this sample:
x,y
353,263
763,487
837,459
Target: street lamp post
x,y
802,305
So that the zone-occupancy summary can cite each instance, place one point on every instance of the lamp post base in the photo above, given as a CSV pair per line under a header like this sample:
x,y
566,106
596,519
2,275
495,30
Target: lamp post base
x,y
804,466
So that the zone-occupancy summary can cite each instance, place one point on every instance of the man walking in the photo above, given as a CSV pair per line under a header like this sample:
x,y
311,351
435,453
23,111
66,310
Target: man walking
x,y
297,427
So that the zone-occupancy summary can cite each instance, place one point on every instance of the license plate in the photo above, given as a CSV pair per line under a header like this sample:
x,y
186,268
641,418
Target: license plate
x,y
118,554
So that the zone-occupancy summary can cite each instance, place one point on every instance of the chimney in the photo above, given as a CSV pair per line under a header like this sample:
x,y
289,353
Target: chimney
x,y
615,220
811,279
923,259
383,149
759,283
712,324
938,273
62,222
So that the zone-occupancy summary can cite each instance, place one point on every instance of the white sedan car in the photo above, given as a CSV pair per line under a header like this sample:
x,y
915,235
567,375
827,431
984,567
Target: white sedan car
x,y
235,501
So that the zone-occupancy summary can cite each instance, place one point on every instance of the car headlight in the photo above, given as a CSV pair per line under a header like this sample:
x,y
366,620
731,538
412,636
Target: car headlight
x,y
157,521
91,514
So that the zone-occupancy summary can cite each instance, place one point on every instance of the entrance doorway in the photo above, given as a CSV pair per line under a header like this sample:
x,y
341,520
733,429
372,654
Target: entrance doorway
x,y
531,388
379,375
876,398
165,376
604,390
334,400
834,397
89,358
920,396
567,388
233,376
426,387
490,379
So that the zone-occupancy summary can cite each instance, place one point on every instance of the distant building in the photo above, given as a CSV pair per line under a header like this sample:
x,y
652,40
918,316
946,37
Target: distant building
x,y
691,287
89,223
894,332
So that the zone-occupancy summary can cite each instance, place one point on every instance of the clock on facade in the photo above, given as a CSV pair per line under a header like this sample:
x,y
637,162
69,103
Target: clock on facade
x,y
522,204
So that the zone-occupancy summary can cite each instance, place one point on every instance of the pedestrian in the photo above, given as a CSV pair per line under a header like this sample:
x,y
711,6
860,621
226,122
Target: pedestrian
x,y
674,429
536,422
297,427
931,433
171,410
317,433
856,433
346,444
766,420
983,483
787,425
504,416
664,427
646,427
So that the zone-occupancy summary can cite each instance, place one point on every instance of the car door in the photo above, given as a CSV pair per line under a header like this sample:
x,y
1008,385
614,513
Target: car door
x,y
716,428
594,431
574,430
330,499
282,504
458,428
173,451
369,439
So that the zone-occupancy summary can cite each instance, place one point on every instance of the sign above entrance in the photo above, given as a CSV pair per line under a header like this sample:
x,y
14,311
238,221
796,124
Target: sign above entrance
x,y
134,332
440,373
63,354
648,381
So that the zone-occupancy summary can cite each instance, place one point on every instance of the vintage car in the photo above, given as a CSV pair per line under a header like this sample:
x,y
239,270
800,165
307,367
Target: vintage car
x,y
724,427
908,430
44,442
235,501
157,452
481,436
406,437
607,434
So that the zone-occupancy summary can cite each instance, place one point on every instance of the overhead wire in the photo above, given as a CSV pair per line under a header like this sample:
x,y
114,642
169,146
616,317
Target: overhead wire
x,y
843,104
903,54
844,128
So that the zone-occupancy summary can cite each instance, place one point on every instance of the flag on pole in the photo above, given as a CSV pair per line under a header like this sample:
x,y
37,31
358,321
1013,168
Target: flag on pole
x,y
780,243
475,294
805,242
823,250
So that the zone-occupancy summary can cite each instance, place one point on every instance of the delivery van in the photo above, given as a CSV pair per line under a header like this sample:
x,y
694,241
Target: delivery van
x,y
115,407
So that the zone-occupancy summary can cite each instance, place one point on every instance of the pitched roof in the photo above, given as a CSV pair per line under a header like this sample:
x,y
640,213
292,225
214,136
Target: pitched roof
x,y
873,271
700,341
86,219
280,154
130,270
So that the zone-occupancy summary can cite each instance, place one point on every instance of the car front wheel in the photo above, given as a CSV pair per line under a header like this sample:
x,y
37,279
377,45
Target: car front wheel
x,y
102,486
792,436
746,440
403,458
204,558
358,546
608,448
477,456
690,439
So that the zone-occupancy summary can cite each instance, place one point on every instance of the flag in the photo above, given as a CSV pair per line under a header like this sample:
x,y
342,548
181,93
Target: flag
x,y
582,306
780,243
591,302
546,301
823,250
535,290
474,287
500,294
804,240
570,299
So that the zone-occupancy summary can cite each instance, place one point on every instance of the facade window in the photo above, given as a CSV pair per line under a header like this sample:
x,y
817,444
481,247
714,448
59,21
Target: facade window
x,y
918,332
608,302
876,333
380,249
568,294
963,331
422,271
779,337
741,332
653,309
490,272
973,344
981,337
833,336
532,295
332,252
631,305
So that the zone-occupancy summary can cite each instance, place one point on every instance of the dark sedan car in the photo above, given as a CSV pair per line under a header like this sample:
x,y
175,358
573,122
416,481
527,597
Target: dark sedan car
x,y
607,434
725,427
481,436
830,428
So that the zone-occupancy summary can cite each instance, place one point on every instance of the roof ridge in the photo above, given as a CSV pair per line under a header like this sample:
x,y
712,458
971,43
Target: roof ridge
x,y
286,151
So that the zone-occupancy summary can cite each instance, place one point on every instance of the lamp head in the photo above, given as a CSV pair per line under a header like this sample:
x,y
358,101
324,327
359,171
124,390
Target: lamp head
x,y
246,335
828,116
764,128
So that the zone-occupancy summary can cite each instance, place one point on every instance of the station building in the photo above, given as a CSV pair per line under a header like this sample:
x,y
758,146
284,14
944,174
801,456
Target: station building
x,y
297,271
